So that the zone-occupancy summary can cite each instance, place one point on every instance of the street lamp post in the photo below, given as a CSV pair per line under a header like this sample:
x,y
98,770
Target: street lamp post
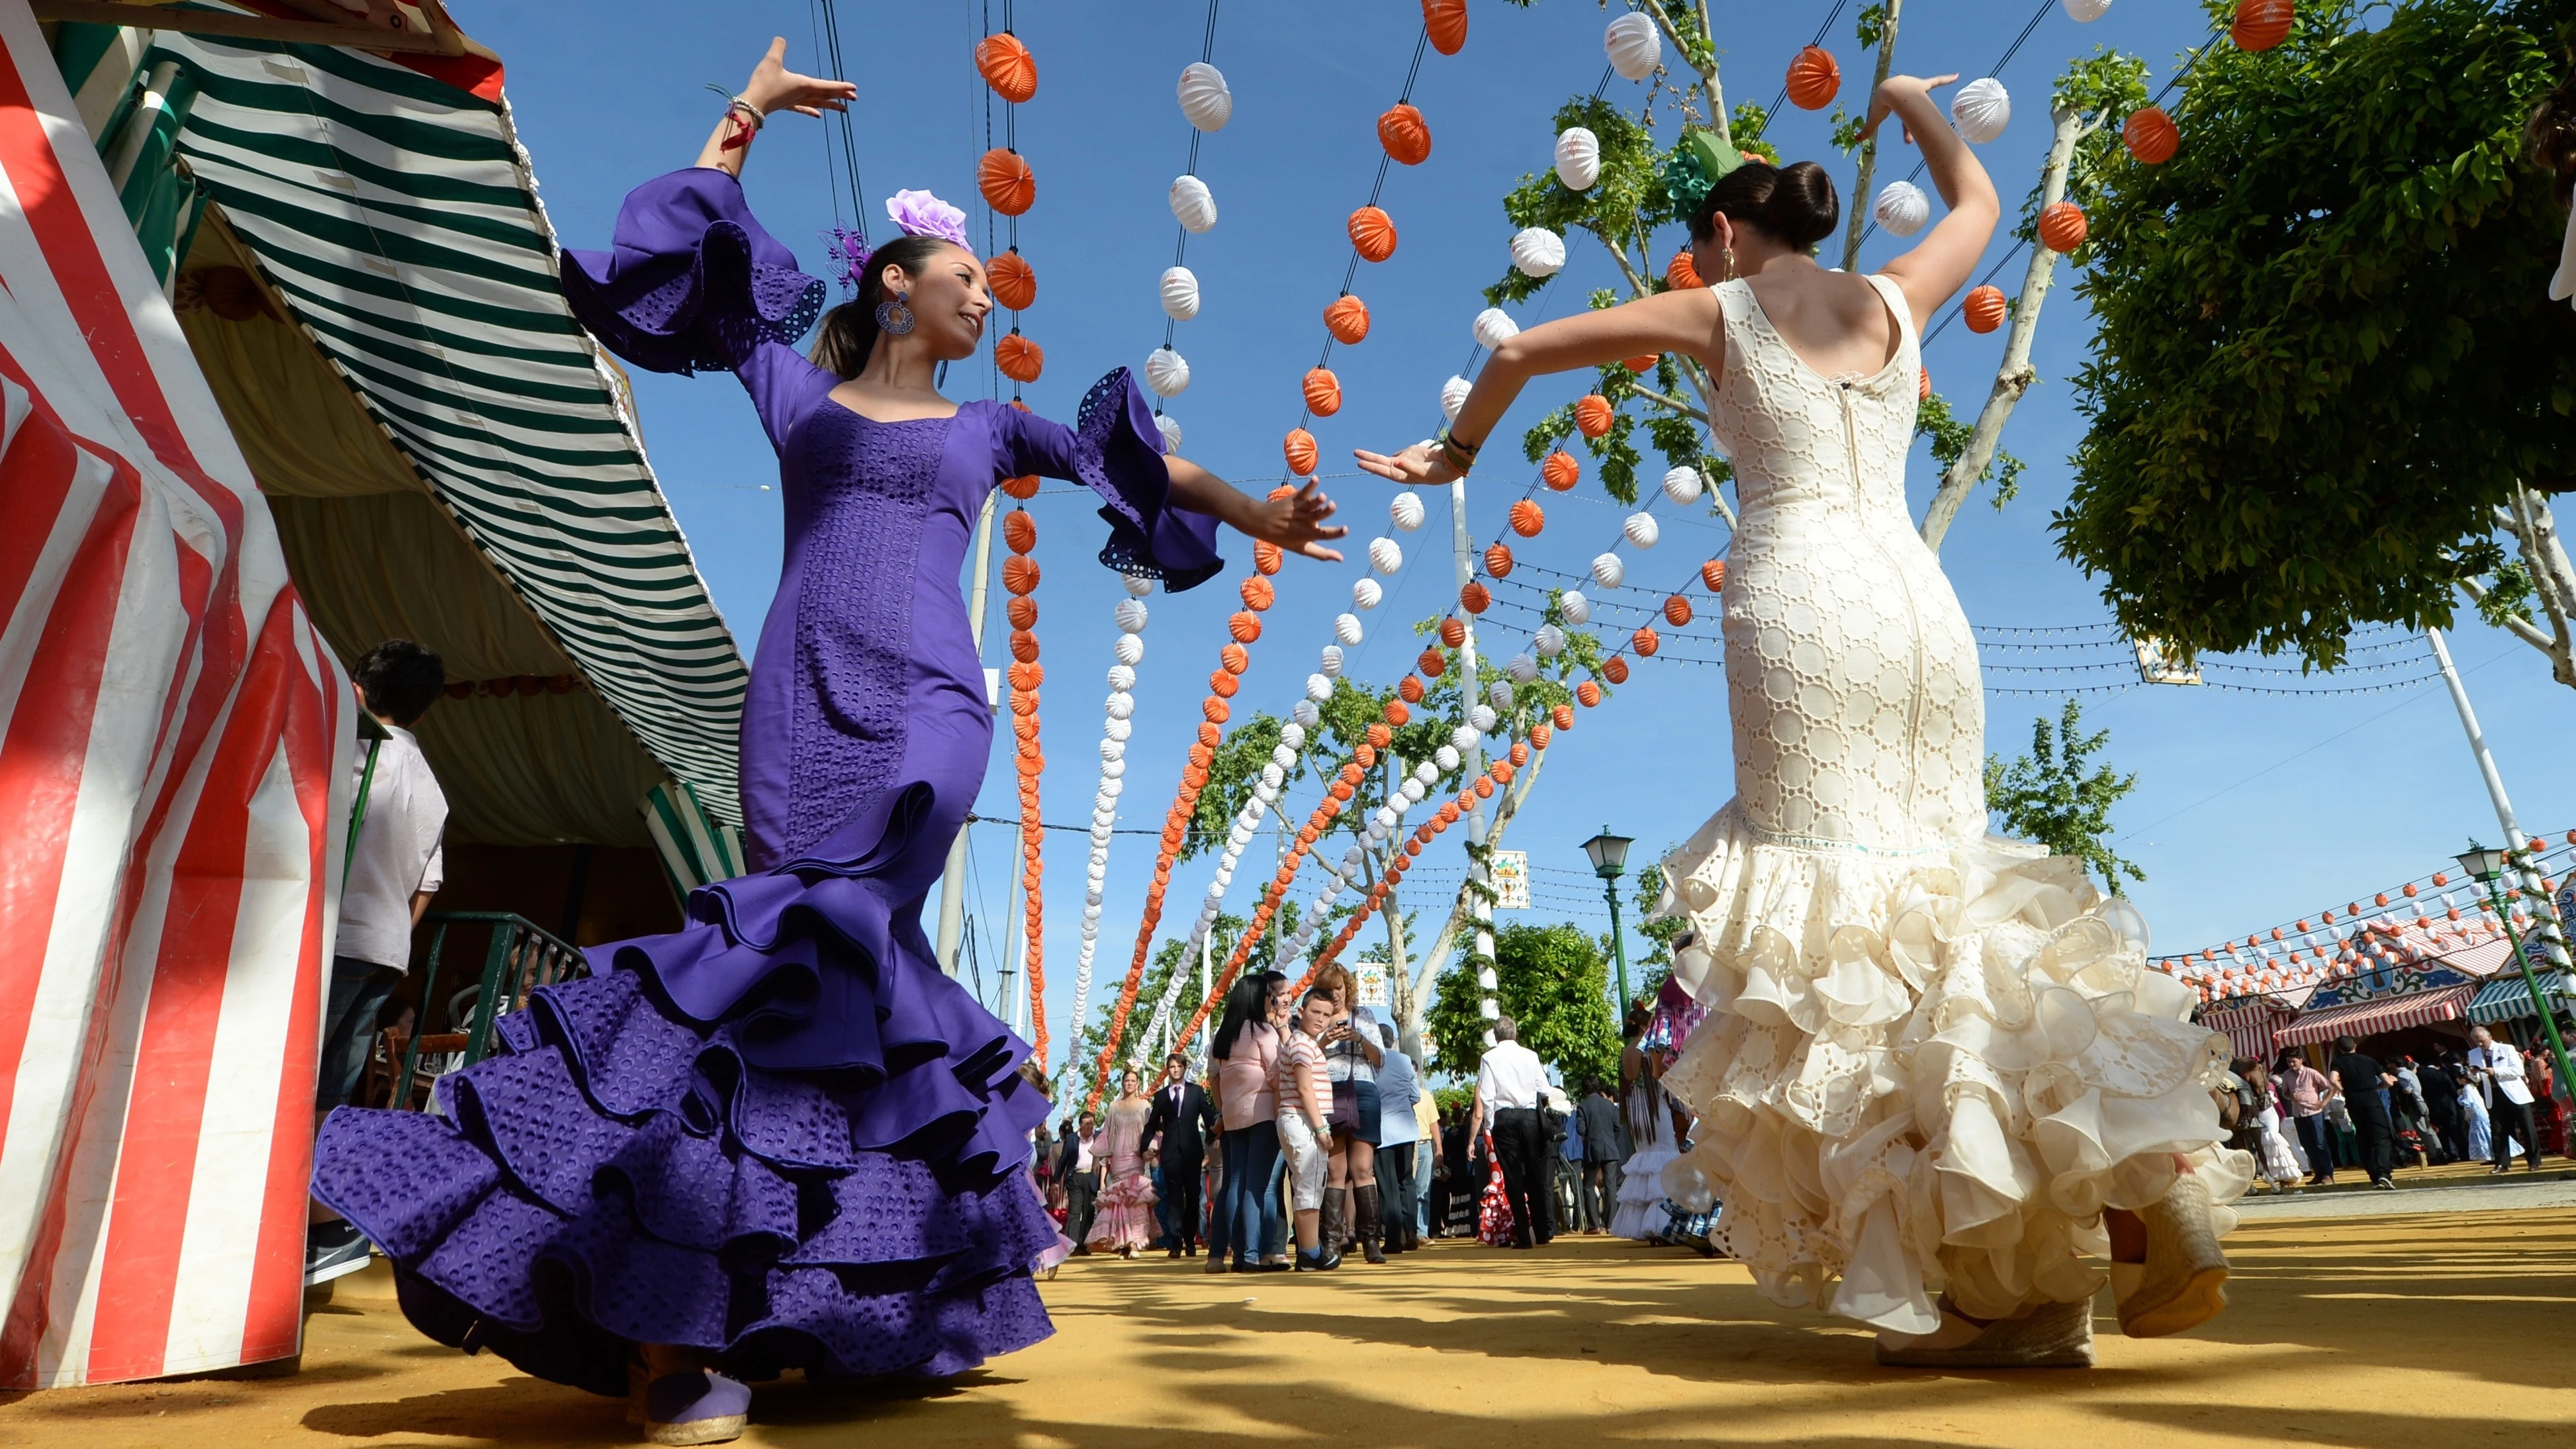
x,y
1610,857
2488,868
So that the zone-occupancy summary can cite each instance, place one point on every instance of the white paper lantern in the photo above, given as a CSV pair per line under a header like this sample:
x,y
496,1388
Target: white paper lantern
x,y
1318,688
1204,97
1453,396
1640,530
1575,609
1981,110
1111,771
1494,327
1405,510
2085,12
1181,294
1193,204
1304,715
1130,650
1426,772
1333,660
1346,627
1170,428
1385,555
1499,695
1445,758
1578,158
1522,669
1122,727
1167,372
1112,750
1121,705
1292,737
1464,737
1635,45
1682,485
1608,572
1412,791
1538,252
1366,594
1902,208
1482,719
1549,641
1136,585
1130,615
1122,678
1270,778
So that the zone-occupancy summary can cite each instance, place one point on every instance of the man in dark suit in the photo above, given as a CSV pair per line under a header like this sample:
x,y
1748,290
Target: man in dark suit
x,y
1081,1178
1176,1127
1604,1129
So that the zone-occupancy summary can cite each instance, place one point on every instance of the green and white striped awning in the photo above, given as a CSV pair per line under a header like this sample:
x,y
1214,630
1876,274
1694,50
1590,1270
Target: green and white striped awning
x,y
399,218
2508,996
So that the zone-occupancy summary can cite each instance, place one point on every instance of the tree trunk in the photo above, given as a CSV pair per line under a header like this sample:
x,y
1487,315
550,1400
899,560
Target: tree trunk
x,y
2553,582
1869,148
2014,376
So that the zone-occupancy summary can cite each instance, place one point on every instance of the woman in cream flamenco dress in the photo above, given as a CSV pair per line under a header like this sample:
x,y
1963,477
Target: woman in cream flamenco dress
x,y
1938,1083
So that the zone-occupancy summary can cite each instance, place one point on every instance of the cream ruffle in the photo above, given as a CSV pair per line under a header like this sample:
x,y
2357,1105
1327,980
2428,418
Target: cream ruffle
x,y
1928,1070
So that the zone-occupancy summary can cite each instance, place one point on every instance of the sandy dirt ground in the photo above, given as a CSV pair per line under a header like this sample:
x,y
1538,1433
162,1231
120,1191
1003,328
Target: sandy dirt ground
x,y
2447,1324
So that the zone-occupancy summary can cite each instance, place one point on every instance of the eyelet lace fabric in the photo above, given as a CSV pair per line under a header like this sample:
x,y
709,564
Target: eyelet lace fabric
x,y
1933,1056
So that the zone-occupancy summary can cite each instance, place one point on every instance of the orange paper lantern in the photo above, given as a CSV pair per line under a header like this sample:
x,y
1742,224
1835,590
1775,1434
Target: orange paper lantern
x,y
2261,24
2061,226
1245,627
1540,734
1563,714
1019,359
1405,135
1222,684
1009,186
1922,383
1216,710
1258,593
1372,234
1024,645
1677,611
1300,448
1814,79
1433,663
1445,22
1022,488
1013,280
1007,67
1588,692
1518,754
1484,787
1561,472
1680,274
1378,735
1713,574
1592,414
2151,135
1984,310
1475,596
1646,641
1409,688
1234,658
1019,531
1498,562
1323,392
1266,557
1020,574
1615,669
1528,518
1395,713
1642,363
1347,319
1023,613
1453,631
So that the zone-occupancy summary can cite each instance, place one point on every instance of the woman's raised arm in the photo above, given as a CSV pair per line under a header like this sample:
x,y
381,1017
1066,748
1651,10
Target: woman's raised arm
x,y
1938,266
771,89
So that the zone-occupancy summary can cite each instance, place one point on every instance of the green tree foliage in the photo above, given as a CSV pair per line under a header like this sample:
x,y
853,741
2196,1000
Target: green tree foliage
x,y
1554,981
1656,966
1159,967
2051,797
2326,352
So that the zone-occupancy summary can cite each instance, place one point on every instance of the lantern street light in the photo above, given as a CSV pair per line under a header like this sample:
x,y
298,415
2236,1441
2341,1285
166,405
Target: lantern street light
x,y
2488,868
1609,858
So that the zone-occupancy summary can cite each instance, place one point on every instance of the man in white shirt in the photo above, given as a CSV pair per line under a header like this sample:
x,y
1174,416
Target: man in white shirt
x,y
2497,1068
396,867
1508,1082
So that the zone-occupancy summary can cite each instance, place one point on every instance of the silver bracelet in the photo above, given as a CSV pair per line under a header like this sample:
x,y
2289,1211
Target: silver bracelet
x,y
737,103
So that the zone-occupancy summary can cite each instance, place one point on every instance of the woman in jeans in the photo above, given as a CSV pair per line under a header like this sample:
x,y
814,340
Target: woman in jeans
x,y
1246,1052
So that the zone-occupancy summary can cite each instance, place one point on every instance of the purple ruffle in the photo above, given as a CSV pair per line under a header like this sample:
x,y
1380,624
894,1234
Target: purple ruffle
x,y
614,1177
1119,453
690,281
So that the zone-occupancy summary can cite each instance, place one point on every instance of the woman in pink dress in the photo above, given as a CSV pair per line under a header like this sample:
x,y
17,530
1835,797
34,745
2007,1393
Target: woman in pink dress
x,y
1125,1222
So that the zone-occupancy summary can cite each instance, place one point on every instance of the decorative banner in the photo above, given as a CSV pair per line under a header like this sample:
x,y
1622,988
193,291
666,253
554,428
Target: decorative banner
x,y
1368,984
1508,873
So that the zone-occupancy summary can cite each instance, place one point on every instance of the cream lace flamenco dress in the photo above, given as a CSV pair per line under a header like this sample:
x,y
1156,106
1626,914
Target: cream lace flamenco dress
x,y
1934,1056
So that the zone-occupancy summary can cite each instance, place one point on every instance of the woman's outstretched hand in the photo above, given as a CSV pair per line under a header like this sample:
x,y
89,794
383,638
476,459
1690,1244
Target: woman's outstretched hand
x,y
774,88
1421,463
1883,102
1295,522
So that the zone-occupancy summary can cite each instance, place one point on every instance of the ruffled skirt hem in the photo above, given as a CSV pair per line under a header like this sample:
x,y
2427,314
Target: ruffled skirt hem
x,y
1929,1069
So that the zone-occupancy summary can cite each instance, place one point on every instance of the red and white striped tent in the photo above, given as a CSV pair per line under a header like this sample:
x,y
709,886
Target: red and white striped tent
x,y
175,746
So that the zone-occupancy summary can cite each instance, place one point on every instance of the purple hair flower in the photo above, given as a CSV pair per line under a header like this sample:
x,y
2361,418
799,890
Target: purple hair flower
x,y
919,213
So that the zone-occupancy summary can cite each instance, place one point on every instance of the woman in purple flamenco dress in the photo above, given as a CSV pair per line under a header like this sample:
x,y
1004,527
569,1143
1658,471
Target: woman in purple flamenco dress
x,y
782,1138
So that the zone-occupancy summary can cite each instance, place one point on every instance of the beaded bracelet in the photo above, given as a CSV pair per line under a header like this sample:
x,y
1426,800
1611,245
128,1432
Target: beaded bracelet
x,y
1461,455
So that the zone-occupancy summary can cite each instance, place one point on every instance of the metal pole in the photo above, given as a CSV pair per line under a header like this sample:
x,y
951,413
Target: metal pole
x,y
1618,939
2526,879
1479,909
952,880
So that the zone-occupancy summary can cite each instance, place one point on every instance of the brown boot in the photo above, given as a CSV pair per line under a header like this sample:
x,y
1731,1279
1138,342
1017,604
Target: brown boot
x,y
1372,1231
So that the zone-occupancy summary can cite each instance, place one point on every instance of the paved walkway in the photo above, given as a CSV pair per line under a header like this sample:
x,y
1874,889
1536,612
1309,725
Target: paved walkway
x,y
2354,1324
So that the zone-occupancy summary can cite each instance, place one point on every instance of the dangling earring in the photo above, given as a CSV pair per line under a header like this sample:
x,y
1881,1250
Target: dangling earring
x,y
893,317
1730,266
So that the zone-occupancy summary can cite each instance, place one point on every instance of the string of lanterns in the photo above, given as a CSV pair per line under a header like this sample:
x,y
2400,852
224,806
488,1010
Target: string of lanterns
x,y
1010,188
1020,581
1244,627
1207,103
1130,616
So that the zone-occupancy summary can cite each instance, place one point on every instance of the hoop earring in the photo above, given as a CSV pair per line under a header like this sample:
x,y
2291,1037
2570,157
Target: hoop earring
x,y
894,318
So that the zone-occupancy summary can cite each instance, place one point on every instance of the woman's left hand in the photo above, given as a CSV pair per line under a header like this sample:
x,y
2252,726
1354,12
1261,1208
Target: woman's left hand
x,y
774,88
1421,463
1295,522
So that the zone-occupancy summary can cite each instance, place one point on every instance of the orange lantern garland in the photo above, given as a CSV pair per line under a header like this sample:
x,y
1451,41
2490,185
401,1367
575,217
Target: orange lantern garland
x,y
1020,535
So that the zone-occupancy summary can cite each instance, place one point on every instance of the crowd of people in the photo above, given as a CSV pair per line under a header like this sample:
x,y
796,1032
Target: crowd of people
x,y
2490,1101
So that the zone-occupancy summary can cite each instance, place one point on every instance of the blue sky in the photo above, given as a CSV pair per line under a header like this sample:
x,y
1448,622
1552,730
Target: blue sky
x,y
2250,809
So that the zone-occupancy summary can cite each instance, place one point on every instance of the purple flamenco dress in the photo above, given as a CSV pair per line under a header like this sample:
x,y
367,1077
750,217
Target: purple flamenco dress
x,y
780,1135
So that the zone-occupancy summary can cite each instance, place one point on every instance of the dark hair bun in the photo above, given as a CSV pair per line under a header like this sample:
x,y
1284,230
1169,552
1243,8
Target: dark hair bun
x,y
1795,204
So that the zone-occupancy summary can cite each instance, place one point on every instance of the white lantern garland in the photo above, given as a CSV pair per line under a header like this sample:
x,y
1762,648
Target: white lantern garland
x,y
1204,96
1193,204
1981,110
1635,46
1578,158
1538,252
1180,294
1130,616
1902,208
